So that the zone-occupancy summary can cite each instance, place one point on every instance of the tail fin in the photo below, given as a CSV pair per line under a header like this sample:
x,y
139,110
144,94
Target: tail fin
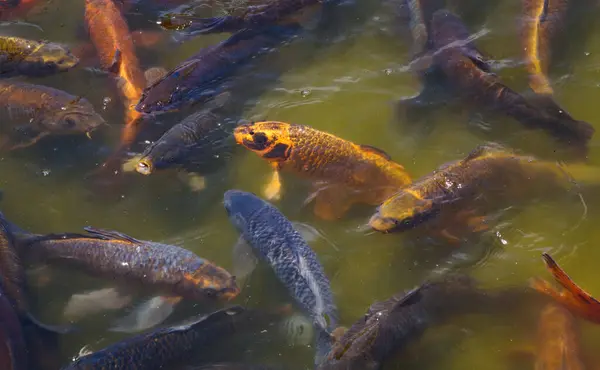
x,y
323,344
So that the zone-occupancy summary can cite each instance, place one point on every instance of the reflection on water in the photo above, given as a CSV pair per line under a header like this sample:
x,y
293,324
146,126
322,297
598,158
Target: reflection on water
x,y
344,76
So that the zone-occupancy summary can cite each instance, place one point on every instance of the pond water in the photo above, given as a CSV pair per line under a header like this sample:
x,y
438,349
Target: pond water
x,y
344,76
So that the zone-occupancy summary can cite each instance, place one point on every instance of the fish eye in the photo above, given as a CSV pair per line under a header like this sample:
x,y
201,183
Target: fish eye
x,y
70,122
260,138
210,292
251,132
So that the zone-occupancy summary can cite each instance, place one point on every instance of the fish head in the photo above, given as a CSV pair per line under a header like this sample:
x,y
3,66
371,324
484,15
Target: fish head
x,y
168,90
53,56
78,116
210,281
402,212
158,155
270,139
241,206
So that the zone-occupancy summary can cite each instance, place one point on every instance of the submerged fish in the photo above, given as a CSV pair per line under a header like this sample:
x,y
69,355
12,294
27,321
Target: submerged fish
x,y
543,21
195,79
274,12
196,144
31,112
389,326
231,366
466,70
344,173
163,348
558,342
490,174
175,271
13,350
274,239
20,56
571,296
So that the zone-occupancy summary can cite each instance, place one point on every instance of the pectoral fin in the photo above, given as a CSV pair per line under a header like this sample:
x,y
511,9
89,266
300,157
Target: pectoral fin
x,y
147,315
332,202
244,262
273,189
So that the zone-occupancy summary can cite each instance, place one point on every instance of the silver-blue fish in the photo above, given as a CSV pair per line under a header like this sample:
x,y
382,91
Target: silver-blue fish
x,y
275,240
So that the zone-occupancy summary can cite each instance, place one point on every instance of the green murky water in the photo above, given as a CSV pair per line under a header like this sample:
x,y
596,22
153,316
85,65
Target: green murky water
x,y
347,87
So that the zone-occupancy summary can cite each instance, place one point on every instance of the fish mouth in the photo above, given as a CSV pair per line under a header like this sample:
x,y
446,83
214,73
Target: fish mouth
x,y
144,167
385,224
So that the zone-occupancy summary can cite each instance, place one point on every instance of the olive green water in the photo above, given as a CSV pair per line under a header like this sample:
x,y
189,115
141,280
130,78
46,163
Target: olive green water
x,y
347,87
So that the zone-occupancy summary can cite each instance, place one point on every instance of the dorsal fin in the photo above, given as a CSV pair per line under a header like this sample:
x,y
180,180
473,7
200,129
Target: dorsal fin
x,y
484,149
411,297
110,234
375,150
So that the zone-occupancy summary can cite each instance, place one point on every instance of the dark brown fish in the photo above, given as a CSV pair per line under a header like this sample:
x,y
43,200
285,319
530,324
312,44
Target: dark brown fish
x,y
20,56
13,350
274,12
470,76
31,112
389,326
165,347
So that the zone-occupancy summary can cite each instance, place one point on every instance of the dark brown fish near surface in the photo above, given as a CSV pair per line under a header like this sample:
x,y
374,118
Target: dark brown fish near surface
x,y
31,112
167,347
471,77
391,325
20,56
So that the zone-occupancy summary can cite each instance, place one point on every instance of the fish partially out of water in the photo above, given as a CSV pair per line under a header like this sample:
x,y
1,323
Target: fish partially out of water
x,y
19,56
389,326
274,12
32,112
199,143
571,296
172,270
344,173
558,341
490,175
166,347
273,238
471,77
196,79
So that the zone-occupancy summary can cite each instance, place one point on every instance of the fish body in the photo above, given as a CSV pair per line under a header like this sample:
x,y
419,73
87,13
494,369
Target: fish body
x,y
490,173
558,342
13,350
231,366
19,56
571,295
275,240
543,21
471,77
108,253
162,348
418,14
350,173
196,144
391,325
196,78
254,17
30,112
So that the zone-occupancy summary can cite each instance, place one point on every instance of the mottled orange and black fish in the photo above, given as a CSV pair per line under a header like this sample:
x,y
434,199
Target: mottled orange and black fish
x,y
20,56
111,37
490,176
571,296
31,112
558,341
343,173
469,74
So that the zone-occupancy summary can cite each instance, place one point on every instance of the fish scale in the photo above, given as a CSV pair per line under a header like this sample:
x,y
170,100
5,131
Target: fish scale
x,y
283,248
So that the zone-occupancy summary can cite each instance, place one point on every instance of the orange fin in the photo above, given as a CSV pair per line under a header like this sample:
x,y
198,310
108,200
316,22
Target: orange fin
x,y
563,279
483,149
116,62
376,151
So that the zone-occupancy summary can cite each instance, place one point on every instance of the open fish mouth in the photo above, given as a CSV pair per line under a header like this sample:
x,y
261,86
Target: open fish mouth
x,y
144,167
